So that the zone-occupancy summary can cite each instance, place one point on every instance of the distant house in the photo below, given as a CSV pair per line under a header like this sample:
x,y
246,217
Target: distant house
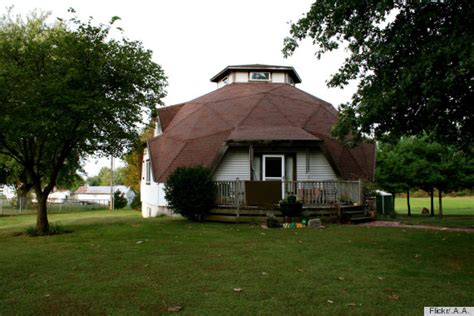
x,y
101,194
262,137
59,196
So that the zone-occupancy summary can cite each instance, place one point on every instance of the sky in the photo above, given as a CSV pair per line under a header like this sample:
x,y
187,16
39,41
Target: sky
x,y
193,40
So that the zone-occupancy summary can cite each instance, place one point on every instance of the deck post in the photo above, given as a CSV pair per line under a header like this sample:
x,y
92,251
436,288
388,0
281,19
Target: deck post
x,y
237,199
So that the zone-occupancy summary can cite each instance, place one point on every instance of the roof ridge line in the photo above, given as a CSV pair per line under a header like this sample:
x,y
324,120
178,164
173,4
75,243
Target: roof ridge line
x,y
193,139
250,112
189,114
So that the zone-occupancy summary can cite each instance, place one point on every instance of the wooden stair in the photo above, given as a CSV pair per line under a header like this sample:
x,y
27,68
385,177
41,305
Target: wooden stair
x,y
355,215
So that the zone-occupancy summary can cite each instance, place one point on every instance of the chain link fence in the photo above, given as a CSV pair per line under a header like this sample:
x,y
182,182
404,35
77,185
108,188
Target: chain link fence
x,y
16,206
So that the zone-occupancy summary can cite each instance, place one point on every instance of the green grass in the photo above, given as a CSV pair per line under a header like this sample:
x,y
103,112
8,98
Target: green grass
x,y
457,211
101,269
463,205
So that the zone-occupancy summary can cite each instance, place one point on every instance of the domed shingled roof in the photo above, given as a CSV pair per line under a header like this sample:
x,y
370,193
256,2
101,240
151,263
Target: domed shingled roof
x,y
195,132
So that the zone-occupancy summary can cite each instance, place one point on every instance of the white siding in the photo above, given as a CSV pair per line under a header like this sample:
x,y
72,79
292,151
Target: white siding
x,y
278,77
319,167
235,164
241,76
152,195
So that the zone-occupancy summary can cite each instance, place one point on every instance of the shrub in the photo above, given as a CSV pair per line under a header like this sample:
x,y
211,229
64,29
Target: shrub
x,y
119,200
136,203
191,192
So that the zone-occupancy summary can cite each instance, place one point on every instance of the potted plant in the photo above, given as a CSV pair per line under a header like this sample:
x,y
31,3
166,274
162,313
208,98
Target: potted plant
x,y
291,207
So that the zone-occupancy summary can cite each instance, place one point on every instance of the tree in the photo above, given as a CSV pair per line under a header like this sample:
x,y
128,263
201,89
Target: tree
x,y
103,178
416,162
12,173
68,90
414,60
133,159
394,171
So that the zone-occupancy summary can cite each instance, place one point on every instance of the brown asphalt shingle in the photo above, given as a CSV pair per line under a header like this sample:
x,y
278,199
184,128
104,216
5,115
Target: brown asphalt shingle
x,y
194,132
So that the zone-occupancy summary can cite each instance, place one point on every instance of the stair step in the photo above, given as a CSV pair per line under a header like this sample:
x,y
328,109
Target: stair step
x,y
360,219
354,212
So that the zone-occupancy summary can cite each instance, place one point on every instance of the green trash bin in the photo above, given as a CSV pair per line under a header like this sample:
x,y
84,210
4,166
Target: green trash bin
x,y
384,202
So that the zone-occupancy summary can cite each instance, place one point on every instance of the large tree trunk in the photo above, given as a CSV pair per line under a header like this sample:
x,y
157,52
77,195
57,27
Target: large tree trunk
x,y
42,224
408,203
432,202
440,199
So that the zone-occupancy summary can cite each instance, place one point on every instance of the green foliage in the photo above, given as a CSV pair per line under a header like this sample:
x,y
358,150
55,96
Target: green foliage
x,y
136,203
104,176
69,90
411,58
54,229
119,200
191,192
419,163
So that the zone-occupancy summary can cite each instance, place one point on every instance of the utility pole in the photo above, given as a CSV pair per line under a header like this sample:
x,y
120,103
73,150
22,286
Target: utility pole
x,y
111,205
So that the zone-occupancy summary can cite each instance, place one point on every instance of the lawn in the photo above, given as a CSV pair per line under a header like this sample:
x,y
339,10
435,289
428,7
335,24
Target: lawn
x,y
463,205
119,263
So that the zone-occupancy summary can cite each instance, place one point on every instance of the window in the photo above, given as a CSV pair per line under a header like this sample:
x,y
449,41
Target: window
x,y
260,76
147,171
273,167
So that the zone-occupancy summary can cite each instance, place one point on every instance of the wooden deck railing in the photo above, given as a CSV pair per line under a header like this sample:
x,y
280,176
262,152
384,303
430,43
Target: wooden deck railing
x,y
311,193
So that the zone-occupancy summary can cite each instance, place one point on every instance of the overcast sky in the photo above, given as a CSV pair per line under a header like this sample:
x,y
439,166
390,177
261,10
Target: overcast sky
x,y
194,39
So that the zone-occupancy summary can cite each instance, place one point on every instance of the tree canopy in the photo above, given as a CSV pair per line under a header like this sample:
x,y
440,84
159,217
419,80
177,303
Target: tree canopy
x,y
415,162
414,61
70,89
103,178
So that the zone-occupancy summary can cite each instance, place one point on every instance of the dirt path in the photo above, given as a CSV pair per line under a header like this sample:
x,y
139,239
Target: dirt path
x,y
431,227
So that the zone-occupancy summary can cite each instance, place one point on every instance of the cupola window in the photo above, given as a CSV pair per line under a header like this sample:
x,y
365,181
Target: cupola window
x,y
260,76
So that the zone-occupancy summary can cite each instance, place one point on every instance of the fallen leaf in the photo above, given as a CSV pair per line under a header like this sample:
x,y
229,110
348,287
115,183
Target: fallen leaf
x,y
341,278
300,270
394,297
174,309
417,256
47,295
330,302
352,304
262,233
237,289
264,273
139,242
380,278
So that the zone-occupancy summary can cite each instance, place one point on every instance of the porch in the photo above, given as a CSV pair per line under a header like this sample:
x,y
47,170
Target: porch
x,y
254,200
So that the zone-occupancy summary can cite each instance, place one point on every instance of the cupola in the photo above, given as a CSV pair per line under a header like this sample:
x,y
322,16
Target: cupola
x,y
256,73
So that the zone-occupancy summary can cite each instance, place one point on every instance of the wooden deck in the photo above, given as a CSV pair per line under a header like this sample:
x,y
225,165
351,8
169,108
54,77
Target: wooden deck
x,y
258,215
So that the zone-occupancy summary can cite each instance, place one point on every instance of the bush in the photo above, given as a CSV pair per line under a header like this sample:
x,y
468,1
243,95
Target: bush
x,y
136,203
191,192
119,200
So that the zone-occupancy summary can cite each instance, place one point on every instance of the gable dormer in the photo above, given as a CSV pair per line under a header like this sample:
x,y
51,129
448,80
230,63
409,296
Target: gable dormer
x,y
256,73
